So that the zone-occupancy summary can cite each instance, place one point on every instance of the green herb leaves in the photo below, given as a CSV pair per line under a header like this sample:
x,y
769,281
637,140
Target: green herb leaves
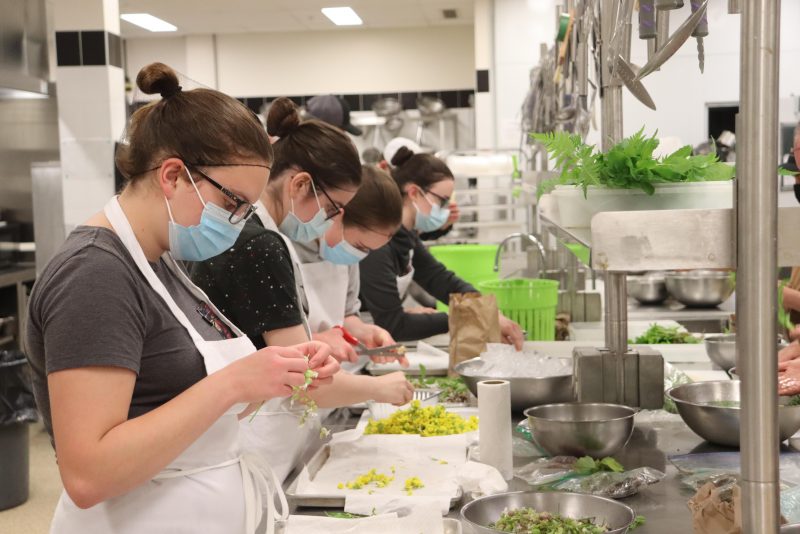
x,y
630,164
660,335
588,466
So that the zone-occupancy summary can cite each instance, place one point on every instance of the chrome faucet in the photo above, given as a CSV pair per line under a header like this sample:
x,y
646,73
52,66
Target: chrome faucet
x,y
532,239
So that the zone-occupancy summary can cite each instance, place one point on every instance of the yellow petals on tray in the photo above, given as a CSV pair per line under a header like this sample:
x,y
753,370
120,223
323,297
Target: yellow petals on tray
x,y
428,421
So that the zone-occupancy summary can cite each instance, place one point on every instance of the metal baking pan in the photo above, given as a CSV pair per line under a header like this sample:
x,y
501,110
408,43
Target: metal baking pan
x,y
326,501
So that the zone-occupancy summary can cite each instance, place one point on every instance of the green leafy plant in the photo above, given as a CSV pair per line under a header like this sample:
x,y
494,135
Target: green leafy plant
x,y
630,164
638,521
588,466
660,335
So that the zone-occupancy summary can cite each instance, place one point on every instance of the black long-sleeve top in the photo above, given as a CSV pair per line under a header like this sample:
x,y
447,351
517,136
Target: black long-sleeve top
x,y
379,293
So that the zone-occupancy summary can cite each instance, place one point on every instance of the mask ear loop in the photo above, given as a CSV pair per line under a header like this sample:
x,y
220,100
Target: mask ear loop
x,y
191,179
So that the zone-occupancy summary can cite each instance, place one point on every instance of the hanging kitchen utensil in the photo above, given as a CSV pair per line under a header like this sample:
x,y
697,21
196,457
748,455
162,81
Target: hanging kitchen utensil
x,y
669,4
700,31
647,25
627,74
562,51
677,39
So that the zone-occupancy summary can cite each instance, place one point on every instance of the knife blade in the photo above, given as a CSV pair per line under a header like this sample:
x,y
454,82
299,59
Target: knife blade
x,y
675,41
627,74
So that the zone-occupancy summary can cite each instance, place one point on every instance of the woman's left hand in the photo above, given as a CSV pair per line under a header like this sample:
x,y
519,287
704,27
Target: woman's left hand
x,y
511,332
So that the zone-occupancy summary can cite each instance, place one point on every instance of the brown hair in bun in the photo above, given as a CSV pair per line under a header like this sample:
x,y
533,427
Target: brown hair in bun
x,y
402,155
313,146
422,170
201,126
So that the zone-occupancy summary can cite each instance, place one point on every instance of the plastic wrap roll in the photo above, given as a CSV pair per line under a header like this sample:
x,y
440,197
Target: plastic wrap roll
x,y
494,427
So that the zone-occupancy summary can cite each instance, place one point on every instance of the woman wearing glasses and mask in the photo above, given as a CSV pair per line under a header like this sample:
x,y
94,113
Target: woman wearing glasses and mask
x,y
427,185
140,379
258,282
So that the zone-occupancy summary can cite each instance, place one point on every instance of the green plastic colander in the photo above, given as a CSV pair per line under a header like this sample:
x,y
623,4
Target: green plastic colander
x,y
472,263
530,302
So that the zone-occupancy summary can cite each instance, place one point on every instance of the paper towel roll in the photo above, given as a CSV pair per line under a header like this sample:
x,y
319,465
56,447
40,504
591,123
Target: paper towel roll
x,y
494,425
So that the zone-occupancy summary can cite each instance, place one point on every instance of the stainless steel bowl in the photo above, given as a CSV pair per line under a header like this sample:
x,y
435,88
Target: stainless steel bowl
x,y
700,289
721,350
720,424
478,514
525,392
590,429
794,528
648,288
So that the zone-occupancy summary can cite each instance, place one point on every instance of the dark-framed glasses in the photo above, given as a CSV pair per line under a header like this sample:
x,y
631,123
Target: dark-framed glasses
x,y
242,210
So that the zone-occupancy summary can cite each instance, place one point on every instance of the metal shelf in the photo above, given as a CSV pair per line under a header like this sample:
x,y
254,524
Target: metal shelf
x,y
671,239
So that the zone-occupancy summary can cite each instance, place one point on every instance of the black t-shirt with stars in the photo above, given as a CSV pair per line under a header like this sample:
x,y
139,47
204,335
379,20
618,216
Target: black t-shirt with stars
x,y
252,283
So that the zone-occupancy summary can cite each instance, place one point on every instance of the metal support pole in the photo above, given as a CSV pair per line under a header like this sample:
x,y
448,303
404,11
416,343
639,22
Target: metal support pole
x,y
756,302
616,289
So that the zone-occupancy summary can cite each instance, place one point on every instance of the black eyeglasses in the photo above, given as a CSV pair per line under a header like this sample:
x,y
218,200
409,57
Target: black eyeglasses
x,y
243,209
334,209
443,201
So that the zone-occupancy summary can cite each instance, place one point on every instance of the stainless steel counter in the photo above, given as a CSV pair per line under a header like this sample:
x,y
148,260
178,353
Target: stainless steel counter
x,y
663,504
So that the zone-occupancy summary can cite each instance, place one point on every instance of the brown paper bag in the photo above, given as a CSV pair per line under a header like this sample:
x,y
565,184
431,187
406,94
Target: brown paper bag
x,y
474,322
713,515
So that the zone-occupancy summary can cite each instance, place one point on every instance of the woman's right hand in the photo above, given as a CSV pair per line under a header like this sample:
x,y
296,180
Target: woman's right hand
x,y
393,388
789,353
273,371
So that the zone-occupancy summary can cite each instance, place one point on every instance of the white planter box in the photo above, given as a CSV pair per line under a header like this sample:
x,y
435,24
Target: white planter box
x,y
575,211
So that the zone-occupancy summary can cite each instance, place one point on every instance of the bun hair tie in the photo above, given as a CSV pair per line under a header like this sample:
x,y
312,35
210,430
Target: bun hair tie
x,y
171,92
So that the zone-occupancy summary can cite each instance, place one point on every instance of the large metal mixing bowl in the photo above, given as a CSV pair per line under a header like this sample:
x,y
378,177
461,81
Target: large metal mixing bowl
x,y
525,392
718,423
648,288
700,289
478,514
590,429
721,350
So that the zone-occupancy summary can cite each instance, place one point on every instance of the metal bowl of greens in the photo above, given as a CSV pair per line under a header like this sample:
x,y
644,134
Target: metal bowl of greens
x,y
650,288
525,391
700,289
721,350
524,511
581,429
711,410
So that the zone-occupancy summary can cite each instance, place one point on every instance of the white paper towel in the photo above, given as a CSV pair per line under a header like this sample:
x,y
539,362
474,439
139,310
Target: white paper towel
x,y
494,429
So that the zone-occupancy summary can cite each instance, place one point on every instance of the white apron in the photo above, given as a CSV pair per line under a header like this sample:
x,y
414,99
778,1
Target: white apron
x,y
326,286
212,487
404,280
274,433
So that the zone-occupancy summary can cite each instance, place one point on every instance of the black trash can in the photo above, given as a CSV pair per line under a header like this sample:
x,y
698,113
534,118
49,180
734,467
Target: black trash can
x,y
17,409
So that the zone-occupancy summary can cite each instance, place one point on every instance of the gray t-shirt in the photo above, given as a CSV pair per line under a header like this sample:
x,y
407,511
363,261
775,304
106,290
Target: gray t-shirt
x,y
92,306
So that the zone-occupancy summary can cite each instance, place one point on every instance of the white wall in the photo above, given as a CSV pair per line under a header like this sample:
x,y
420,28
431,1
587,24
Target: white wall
x,y
681,93
308,63
519,27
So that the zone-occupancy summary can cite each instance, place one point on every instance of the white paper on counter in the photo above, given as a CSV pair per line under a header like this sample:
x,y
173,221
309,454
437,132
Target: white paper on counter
x,y
434,460
366,504
494,413
432,358
422,519
481,479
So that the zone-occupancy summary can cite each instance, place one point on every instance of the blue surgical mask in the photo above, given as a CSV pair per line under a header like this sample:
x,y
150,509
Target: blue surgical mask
x,y
433,220
214,235
342,253
305,231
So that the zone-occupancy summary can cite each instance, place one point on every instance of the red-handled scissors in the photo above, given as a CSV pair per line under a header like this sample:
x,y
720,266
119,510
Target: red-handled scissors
x,y
397,350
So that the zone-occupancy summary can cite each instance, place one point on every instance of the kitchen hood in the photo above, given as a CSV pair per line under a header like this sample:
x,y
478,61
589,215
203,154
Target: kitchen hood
x,y
24,66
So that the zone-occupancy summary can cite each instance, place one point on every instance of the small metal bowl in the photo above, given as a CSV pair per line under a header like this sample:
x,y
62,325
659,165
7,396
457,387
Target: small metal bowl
x,y
581,429
525,392
794,528
648,289
721,350
481,512
700,289
720,424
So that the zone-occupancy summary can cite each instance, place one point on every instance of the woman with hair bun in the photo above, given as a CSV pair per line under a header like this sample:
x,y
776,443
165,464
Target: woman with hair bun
x,y
140,379
426,184
259,281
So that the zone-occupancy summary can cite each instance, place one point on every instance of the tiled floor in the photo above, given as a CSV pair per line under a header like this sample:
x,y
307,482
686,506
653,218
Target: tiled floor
x,y
34,516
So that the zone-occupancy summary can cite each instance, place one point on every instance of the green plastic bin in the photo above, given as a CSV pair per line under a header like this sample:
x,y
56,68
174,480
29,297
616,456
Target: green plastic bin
x,y
473,263
530,302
